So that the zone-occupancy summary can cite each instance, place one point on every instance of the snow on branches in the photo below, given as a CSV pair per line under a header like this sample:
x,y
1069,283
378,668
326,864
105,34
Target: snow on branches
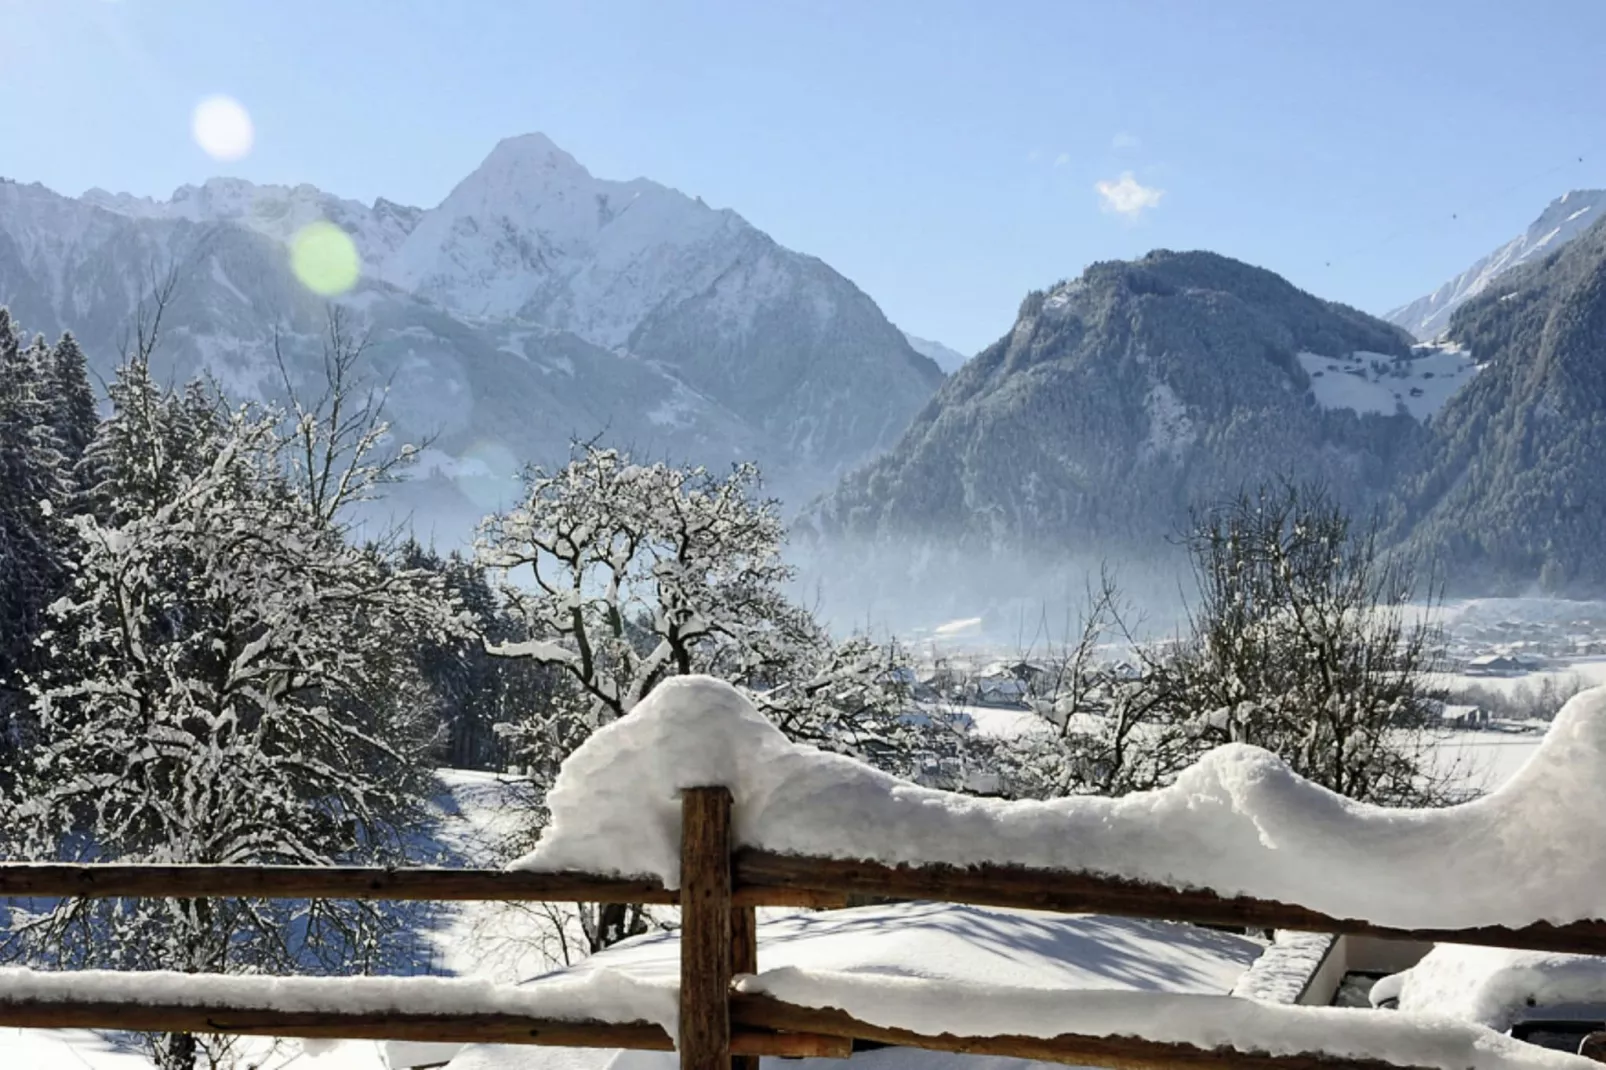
x,y
628,574
225,680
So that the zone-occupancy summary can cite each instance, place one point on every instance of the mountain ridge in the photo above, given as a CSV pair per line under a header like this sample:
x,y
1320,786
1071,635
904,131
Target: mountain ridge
x,y
733,347
1563,219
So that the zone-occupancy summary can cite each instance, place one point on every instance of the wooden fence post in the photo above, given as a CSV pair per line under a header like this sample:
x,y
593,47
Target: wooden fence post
x,y
744,959
705,929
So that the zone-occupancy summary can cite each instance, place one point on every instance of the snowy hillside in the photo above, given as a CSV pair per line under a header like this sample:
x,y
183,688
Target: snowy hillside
x,y
1567,217
1377,382
1115,403
947,359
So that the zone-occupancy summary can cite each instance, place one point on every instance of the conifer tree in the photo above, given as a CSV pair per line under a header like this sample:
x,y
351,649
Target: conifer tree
x,y
72,398
31,490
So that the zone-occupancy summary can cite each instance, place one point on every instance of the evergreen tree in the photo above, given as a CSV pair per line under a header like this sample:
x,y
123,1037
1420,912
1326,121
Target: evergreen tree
x,y
72,398
31,489
151,444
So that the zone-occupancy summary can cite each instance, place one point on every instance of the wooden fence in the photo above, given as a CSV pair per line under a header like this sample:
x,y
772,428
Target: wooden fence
x,y
720,887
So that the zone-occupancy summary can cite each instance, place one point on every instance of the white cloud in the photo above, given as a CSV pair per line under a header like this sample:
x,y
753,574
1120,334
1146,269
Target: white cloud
x,y
1062,159
1034,156
1127,196
1125,140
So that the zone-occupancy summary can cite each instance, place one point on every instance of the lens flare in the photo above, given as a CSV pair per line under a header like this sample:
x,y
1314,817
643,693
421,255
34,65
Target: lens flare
x,y
222,127
325,259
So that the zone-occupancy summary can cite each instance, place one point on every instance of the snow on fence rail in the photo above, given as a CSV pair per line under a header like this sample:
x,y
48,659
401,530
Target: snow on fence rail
x,y
694,799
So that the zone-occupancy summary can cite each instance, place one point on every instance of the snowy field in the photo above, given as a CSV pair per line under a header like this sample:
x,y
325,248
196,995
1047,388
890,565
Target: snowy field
x,y
1482,761
983,949
1377,383
76,1049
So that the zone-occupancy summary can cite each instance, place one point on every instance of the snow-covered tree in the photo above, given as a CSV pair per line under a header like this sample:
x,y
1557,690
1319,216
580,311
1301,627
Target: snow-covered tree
x,y
627,574
33,487
227,680
337,431
72,398
1305,642
1105,727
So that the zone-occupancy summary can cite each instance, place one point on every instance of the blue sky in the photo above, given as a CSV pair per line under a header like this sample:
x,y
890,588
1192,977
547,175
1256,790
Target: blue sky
x,y
945,156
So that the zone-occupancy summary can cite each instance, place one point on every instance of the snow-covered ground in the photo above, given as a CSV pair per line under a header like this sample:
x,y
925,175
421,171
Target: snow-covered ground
x,y
77,1049
925,943
1481,761
1297,845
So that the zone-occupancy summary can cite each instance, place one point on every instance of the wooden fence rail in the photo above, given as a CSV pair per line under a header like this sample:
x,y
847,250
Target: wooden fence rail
x,y
720,886
457,1028
759,878
22,880
768,875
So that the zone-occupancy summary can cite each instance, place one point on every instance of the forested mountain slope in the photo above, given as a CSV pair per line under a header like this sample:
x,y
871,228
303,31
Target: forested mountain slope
x,y
1511,486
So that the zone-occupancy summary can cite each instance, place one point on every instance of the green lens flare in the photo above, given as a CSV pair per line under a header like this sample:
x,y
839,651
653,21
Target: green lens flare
x,y
325,259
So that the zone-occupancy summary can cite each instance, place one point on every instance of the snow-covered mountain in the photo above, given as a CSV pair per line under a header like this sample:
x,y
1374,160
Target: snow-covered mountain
x,y
947,359
536,303
776,336
1510,489
275,211
1567,217
1117,402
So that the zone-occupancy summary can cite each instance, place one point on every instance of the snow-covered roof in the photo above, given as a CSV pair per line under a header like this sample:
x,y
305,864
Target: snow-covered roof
x,y
1282,974
1239,822
1493,986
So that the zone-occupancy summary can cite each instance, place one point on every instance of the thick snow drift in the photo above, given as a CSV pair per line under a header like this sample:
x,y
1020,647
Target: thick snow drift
x,y
1239,822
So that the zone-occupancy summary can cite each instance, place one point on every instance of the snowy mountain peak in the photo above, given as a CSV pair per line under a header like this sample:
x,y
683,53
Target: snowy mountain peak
x,y
1563,219
535,299
532,154
531,233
